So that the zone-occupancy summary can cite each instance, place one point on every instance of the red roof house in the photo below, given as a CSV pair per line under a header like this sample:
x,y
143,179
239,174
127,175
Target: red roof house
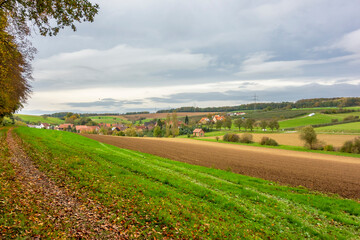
x,y
198,132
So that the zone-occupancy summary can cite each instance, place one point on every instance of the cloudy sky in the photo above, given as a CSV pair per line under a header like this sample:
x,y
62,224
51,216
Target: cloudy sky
x,y
159,54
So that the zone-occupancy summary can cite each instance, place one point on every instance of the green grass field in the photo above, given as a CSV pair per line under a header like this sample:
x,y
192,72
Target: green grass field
x,y
37,119
304,121
183,200
108,119
341,128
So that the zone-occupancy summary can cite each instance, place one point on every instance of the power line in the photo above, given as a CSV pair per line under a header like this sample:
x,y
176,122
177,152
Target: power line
x,y
255,98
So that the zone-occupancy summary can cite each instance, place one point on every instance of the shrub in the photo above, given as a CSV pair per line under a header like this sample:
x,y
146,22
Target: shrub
x,y
120,133
329,148
268,141
351,146
246,138
318,145
349,118
309,136
231,137
130,132
347,147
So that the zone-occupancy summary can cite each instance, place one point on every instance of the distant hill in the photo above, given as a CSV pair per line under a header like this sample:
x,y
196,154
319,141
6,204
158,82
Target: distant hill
x,y
303,103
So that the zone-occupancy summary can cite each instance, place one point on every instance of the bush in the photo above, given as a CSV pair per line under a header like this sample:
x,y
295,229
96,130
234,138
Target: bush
x,y
318,145
308,134
268,141
231,137
347,147
351,146
349,118
246,138
329,148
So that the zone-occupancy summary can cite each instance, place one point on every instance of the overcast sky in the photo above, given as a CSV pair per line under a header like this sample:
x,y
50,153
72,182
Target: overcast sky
x,y
156,54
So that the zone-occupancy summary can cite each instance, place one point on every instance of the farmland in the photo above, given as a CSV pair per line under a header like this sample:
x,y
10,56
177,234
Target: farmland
x,y
147,196
109,119
308,120
341,128
292,139
37,119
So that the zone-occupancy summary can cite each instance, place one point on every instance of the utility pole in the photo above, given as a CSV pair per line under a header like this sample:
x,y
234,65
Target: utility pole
x,y
255,99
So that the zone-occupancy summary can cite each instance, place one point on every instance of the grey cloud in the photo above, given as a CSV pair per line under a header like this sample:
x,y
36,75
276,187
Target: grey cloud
x,y
106,102
140,44
274,94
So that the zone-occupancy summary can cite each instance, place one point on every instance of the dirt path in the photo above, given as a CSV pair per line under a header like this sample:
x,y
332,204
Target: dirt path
x,y
85,217
326,173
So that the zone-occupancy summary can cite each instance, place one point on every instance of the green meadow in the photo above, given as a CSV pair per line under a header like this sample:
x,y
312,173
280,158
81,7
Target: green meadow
x,y
341,128
108,119
37,119
181,200
306,120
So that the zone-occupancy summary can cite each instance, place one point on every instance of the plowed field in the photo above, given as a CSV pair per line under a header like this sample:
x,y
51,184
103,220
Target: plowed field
x,y
293,139
326,173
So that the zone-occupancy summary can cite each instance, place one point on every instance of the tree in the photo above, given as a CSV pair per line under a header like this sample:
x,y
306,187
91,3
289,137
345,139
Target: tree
x,y
308,134
175,125
16,51
274,124
263,124
219,124
249,124
48,16
157,131
228,122
167,133
238,123
186,120
15,72
159,123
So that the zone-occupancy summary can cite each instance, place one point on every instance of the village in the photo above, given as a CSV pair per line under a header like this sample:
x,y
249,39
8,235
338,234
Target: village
x,y
157,127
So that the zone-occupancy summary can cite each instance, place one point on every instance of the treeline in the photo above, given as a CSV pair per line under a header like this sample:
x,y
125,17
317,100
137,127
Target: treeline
x,y
304,103
64,114
134,113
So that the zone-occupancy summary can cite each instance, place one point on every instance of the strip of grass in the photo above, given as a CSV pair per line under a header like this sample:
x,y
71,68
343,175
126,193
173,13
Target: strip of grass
x,y
168,198
341,128
37,119
284,147
304,121
108,119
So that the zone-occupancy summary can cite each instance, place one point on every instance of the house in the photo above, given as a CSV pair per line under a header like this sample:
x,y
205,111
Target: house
x,y
204,120
65,126
106,125
236,114
86,129
45,125
218,118
149,125
198,132
138,128
115,129
33,126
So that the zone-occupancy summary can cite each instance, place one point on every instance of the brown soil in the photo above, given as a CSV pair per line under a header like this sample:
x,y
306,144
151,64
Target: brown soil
x,y
86,218
321,172
292,139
